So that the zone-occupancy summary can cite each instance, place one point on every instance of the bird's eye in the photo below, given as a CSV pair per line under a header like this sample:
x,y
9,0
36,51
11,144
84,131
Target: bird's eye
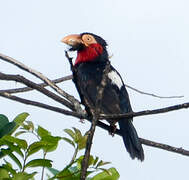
x,y
87,38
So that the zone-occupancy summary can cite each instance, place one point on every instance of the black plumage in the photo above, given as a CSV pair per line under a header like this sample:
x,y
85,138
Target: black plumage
x,y
88,76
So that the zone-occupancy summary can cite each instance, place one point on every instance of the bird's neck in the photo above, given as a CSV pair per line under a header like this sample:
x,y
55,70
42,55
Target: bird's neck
x,y
88,54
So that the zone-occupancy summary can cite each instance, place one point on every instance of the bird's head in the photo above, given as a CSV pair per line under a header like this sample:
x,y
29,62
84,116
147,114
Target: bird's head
x,y
89,47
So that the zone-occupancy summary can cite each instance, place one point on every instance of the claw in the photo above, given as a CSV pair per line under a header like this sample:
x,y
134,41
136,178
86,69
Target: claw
x,y
112,130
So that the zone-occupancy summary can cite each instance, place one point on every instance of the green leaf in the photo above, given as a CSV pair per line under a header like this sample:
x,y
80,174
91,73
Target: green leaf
x,y
64,175
30,125
106,170
35,147
78,134
82,142
95,161
12,156
106,176
91,160
50,142
70,133
42,132
20,142
4,173
102,163
13,148
7,129
1,155
67,175
19,119
53,170
69,141
19,133
3,121
24,176
79,161
73,169
39,162
9,168
77,137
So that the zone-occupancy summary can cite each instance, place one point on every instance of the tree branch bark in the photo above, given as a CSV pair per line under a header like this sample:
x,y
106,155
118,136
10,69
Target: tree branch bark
x,y
41,105
33,85
146,112
26,89
44,79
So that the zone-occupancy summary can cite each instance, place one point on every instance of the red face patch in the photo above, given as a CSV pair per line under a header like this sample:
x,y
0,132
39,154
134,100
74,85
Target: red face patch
x,y
89,53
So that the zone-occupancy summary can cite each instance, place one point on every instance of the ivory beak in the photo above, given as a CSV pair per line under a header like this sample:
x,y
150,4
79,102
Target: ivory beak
x,y
72,40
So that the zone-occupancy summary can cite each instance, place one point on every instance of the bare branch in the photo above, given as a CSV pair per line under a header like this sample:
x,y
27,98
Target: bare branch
x,y
150,143
26,89
165,147
43,78
149,94
41,105
33,85
146,112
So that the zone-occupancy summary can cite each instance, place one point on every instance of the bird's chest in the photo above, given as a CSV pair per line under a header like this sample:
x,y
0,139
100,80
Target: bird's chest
x,y
90,73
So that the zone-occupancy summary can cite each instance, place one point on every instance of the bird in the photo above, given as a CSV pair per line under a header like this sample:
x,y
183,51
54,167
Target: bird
x,y
92,57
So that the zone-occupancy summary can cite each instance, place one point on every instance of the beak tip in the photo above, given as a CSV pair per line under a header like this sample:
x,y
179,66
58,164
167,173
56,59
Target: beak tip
x,y
63,40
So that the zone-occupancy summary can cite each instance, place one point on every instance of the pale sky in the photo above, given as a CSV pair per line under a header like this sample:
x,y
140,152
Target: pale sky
x,y
149,41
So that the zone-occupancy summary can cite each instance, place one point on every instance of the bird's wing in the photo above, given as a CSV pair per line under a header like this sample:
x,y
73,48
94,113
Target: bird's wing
x,y
115,98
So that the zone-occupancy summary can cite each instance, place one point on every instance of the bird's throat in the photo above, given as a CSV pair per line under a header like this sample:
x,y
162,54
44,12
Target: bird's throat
x,y
89,53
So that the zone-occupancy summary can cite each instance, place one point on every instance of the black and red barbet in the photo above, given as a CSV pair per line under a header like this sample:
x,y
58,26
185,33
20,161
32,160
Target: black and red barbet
x,y
90,63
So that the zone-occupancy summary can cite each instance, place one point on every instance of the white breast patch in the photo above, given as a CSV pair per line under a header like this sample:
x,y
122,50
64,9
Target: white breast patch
x,y
115,78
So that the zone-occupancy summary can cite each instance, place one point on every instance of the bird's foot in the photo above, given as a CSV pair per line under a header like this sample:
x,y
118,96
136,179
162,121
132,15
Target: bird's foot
x,y
112,130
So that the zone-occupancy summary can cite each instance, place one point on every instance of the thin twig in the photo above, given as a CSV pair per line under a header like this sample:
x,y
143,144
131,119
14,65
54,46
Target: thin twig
x,y
146,112
150,94
26,89
43,168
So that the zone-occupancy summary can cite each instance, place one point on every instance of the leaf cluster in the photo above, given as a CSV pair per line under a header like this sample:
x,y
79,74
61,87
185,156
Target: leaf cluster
x,y
16,154
73,170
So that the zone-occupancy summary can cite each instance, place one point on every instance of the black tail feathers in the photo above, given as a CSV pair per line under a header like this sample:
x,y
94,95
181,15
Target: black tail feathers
x,y
131,140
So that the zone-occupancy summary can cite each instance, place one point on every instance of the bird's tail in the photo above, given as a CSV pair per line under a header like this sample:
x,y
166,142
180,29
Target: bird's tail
x,y
131,139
